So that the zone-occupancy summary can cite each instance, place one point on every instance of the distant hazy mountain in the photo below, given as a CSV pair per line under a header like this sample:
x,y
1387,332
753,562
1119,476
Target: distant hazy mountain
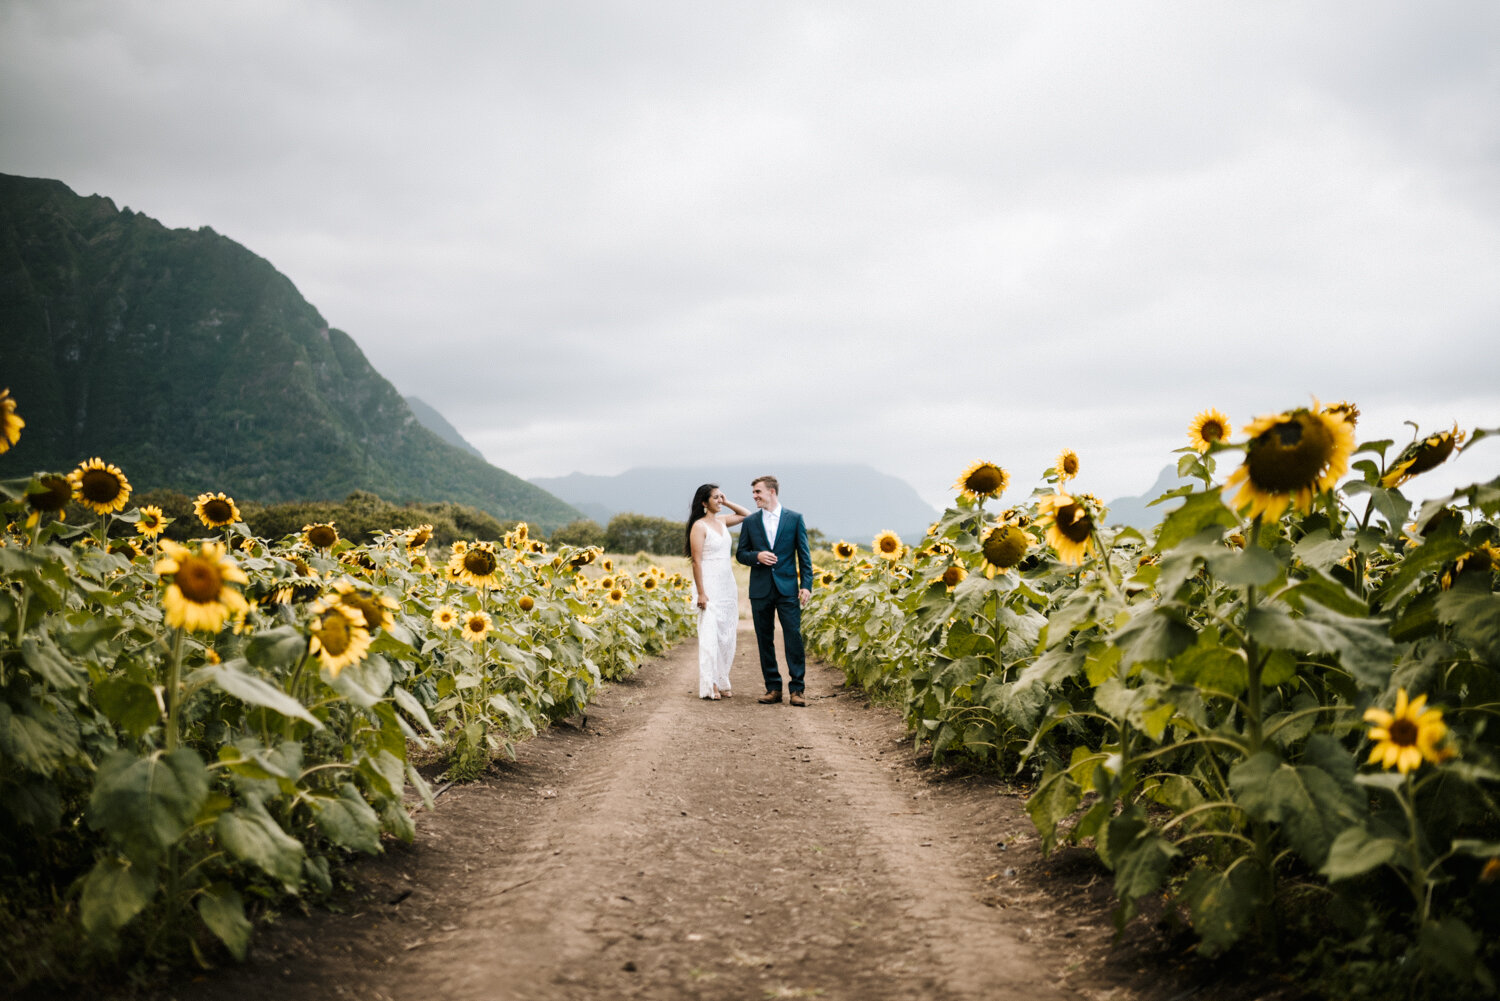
x,y
841,501
194,365
438,425
1133,511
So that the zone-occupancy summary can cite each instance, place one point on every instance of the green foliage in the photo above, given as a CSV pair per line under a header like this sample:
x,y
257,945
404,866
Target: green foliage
x,y
160,788
1190,705
637,533
582,533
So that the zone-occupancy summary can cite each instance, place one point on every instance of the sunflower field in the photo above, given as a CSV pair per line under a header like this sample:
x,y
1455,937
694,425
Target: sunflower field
x,y
1271,717
193,733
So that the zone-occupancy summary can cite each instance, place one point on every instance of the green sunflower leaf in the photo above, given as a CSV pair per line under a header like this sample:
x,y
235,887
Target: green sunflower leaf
x,y
1198,512
1055,799
145,804
129,704
1158,634
114,892
251,690
1223,904
251,835
347,820
1362,645
1311,806
223,911
1355,851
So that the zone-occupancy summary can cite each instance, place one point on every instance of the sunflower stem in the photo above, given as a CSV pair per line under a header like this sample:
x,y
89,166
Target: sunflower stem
x,y
1260,830
174,674
1416,878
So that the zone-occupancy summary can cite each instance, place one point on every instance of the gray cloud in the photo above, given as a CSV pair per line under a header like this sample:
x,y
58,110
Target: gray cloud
x,y
598,236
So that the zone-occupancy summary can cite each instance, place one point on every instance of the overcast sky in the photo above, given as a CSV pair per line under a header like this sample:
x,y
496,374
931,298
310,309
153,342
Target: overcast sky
x,y
604,235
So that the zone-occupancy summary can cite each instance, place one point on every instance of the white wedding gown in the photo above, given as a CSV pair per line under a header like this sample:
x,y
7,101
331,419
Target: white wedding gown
x,y
717,623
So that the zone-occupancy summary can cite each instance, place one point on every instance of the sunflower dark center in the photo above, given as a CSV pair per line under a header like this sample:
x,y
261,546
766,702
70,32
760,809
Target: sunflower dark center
x,y
54,498
198,580
1212,431
1404,732
888,545
984,480
1005,546
475,625
322,536
1433,453
952,576
479,562
335,634
1289,456
100,486
1074,522
218,510
369,608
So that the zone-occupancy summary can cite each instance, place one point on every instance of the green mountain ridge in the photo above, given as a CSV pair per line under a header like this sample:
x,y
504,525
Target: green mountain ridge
x,y
193,364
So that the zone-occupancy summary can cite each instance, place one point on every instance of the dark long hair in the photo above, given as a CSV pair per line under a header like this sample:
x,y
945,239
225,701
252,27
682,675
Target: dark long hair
x,y
699,498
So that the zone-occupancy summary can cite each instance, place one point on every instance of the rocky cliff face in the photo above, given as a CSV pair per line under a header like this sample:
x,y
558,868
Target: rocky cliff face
x,y
193,364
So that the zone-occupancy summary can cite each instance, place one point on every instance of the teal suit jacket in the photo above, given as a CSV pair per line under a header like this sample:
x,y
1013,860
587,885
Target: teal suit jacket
x,y
793,557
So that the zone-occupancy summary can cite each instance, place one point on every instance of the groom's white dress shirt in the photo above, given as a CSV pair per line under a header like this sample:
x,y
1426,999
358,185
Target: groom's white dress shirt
x,y
772,519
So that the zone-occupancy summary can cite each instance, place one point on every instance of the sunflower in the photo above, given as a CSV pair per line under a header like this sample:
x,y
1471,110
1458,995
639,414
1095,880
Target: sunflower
x,y
983,479
538,547
339,637
845,550
1291,458
10,424
1015,516
54,493
1066,465
418,537
648,583
444,617
199,597
216,510
521,531
525,602
954,575
826,578
1209,427
1420,456
320,535
151,522
101,487
126,547
475,565
1348,411
1407,736
1070,523
374,607
887,545
616,595
1004,546
608,565
1478,563
477,626
584,557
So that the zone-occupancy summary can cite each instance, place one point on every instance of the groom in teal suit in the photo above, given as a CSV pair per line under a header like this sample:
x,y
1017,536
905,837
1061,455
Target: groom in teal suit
x,y
773,544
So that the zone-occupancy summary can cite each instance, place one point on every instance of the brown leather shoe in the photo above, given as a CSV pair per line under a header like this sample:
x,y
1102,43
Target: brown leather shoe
x,y
770,698
797,699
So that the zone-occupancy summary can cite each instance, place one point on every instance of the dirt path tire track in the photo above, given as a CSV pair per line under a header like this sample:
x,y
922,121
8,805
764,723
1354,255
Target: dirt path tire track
x,y
678,848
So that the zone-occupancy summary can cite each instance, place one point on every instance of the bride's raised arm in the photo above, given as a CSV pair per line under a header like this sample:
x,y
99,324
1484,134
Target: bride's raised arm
x,y
740,513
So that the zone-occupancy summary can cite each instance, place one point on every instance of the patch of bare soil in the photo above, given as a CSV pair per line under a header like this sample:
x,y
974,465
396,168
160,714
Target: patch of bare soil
x,y
679,848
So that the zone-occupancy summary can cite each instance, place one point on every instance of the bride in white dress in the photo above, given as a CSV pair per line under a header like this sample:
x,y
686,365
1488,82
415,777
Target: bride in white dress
x,y
718,594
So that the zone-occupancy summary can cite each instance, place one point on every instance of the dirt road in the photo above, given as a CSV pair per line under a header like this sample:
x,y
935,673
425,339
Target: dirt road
x,y
678,848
